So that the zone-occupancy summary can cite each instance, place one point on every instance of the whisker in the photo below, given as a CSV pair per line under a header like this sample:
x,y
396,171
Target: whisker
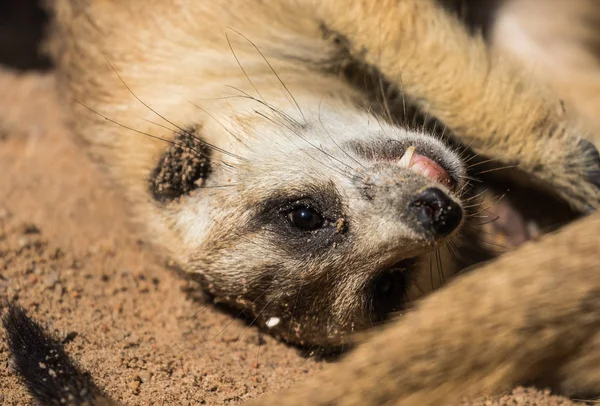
x,y
241,67
237,317
483,210
257,316
494,244
313,146
443,135
294,307
403,96
258,350
452,249
386,106
487,222
180,144
475,196
440,267
483,162
333,140
170,122
206,307
431,270
279,112
497,169
476,204
471,179
272,70
464,189
480,212
220,123
139,131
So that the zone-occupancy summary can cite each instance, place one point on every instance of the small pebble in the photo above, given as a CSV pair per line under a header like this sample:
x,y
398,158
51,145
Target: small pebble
x,y
134,386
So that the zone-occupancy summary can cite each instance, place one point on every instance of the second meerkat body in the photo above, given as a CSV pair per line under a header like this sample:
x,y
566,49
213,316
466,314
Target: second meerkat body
x,y
257,166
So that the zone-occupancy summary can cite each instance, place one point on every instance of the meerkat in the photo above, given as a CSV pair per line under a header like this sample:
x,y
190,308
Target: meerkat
x,y
257,167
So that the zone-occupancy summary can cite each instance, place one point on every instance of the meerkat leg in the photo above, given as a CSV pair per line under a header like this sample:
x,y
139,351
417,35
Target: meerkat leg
x,y
481,96
532,316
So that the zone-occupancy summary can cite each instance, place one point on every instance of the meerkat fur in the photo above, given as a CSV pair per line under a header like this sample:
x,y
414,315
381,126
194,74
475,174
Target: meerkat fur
x,y
139,76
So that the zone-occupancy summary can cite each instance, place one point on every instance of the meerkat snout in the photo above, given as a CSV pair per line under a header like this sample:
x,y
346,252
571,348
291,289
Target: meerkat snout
x,y
436,211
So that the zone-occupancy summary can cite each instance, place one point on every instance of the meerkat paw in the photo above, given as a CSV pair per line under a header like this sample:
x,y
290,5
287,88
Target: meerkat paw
x,y
576,177
593,161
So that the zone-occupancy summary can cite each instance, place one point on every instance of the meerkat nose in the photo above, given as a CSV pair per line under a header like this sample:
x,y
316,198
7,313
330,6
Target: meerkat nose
x,y
436,211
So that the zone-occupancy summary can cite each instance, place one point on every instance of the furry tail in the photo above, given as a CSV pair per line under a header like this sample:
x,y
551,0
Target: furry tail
x,y
50,375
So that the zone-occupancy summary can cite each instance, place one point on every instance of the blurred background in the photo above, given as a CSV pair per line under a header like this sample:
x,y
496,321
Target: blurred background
x,y
22,25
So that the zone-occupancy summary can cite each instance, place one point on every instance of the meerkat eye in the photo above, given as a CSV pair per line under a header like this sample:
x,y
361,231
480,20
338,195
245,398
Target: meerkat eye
x,y
305,218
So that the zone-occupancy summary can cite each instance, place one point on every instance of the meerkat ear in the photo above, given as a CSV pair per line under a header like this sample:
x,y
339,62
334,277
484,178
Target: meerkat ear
x,y
183,167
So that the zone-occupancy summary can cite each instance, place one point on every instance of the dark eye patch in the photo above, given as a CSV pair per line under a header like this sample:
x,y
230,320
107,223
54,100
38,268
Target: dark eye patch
x,y
303,221
182,168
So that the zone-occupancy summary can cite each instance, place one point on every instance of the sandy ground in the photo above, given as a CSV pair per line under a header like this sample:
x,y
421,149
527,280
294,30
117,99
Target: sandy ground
x,y
69,256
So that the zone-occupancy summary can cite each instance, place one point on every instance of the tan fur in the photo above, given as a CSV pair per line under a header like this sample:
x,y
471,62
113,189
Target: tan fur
x,y
162,51
430,54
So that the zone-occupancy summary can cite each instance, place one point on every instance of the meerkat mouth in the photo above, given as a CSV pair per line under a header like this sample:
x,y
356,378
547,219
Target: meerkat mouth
x,y
427,167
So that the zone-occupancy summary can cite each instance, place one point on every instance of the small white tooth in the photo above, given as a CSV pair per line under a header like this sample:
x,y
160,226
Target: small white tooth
x,y
404,162
272,322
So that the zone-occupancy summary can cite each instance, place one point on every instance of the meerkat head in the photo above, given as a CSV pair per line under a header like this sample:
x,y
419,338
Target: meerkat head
x,y
316,229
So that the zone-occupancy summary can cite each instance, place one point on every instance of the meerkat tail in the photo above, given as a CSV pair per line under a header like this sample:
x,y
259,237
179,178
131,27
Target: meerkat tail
x,y
49,374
